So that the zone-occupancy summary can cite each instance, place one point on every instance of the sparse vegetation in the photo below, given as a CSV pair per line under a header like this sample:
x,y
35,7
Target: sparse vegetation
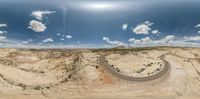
x,y
54,69
7,62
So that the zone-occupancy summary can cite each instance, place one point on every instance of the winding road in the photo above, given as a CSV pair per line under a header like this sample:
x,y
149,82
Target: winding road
x,y
102,61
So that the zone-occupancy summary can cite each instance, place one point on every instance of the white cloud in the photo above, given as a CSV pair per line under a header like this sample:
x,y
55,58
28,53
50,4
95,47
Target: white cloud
x,y
143,28
148,41
115,43
40,43
3,25
155,32
29,40
58,34
2,38
62,39
105,38
68,36
142,41
197,26
40,14
169,37
132,40
4,42
148,23
37,26
48,40
25,42
125,26
167,40
137,42
2,32
65,36
194,38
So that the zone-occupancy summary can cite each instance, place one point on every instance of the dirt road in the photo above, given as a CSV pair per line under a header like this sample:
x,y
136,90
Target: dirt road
x,y
102,62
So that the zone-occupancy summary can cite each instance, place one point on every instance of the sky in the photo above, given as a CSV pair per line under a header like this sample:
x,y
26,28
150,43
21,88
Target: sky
x,y
99,23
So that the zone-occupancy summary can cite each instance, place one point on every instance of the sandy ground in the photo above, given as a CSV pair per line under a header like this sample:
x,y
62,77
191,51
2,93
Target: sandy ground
x,y
136,64
63,74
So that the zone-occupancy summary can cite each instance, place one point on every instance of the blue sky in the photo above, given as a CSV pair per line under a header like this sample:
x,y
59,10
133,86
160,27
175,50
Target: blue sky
x,y
99,23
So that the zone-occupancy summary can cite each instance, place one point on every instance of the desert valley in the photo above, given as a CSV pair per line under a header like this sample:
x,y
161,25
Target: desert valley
x,y
159,72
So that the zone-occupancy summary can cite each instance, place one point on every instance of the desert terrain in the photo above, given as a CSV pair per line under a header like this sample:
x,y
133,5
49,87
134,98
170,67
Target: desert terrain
x,y
139,73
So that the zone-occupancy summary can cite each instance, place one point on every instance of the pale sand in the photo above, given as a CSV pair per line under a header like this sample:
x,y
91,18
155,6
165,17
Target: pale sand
x,y
129,64
27,74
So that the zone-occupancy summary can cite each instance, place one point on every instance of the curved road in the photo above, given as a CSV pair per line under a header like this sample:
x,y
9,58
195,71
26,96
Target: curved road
x,y
102,61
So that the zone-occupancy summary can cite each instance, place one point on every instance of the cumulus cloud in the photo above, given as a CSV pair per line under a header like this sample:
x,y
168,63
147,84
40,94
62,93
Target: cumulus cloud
x,y
155,32
37,26
143,28
3,25
148,41
167,40
48,40
114,43
39,14
25,42
58,34
29,40
142,41
68,36
197,26
2,38
194,38
132,40
125,26
78,42
62,39
2,32
64,36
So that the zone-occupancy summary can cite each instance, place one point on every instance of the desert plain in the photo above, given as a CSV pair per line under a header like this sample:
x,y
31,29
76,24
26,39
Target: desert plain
x,y
139,73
